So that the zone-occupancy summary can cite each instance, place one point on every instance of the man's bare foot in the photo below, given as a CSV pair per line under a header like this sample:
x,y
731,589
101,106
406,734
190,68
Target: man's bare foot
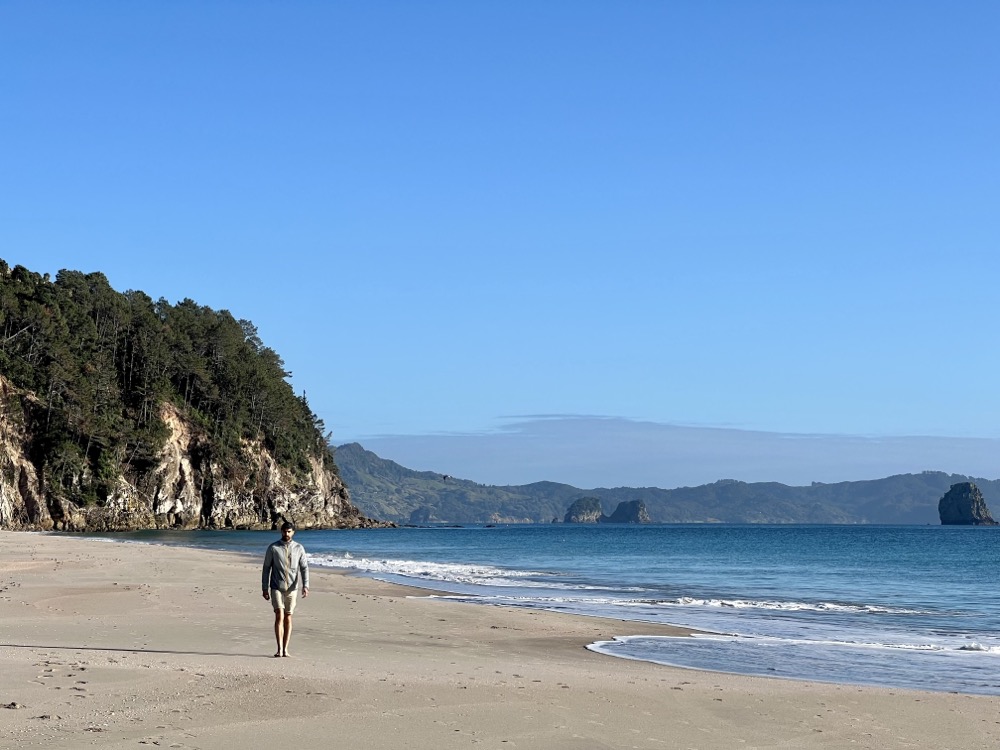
x,y
277,655
286,654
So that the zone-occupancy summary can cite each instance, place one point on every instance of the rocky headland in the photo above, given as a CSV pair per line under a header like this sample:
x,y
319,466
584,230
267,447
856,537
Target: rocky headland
x,y
186,488
119,413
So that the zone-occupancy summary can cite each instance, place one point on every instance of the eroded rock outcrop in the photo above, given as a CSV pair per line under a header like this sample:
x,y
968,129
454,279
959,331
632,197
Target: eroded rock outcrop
x,y
964,505
185,489
584,510
630,511
588,510
20,489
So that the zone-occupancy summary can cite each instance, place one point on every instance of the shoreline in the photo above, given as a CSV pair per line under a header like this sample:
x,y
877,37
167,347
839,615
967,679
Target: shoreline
x,y
116,645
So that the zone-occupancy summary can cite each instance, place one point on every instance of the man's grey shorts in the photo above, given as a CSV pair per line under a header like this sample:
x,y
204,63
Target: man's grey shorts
x,y
285,600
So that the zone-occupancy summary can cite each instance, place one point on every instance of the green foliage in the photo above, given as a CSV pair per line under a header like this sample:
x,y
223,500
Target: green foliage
x,y
101,364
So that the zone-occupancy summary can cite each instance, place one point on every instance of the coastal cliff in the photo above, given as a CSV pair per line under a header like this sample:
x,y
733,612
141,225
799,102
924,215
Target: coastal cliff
x,y
186,488
120,413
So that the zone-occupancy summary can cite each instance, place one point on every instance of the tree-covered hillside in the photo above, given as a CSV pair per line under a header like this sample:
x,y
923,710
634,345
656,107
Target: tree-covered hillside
x,y
395,493
98,365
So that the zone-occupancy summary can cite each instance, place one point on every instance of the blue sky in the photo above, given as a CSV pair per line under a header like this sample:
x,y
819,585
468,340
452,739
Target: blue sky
x,y
450,218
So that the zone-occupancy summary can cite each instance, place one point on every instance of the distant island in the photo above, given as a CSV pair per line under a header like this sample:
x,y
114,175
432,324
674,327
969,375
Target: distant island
x,y
384,489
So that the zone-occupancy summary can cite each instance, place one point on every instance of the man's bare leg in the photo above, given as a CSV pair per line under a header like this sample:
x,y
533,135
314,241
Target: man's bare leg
x,y
279,635
287,634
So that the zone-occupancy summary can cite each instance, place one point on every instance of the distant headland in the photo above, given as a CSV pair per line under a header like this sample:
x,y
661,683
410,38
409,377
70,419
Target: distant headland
x,y
384,489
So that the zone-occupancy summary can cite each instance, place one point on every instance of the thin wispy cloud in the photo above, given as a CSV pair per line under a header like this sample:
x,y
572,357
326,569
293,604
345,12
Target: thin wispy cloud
x,y
591,451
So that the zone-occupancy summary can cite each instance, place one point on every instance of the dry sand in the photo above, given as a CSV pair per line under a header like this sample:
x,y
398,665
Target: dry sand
x,y
129,646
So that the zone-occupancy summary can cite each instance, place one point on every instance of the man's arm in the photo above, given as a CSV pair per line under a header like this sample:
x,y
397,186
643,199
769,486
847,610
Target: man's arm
x,y
304,570
265,576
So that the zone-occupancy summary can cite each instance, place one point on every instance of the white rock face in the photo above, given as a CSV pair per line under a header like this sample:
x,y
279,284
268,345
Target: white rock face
x,y
20,489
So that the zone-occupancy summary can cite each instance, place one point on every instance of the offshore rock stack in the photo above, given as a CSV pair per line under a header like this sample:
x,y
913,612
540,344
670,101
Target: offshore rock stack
x,y
964,505
588,510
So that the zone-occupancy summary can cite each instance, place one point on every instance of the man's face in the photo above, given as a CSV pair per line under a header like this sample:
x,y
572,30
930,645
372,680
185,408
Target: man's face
x,y
286,534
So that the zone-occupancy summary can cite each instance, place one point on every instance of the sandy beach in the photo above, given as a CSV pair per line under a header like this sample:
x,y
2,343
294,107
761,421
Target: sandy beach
x,y
126,646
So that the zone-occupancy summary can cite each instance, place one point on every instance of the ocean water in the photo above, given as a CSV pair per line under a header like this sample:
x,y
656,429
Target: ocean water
x,y
897,606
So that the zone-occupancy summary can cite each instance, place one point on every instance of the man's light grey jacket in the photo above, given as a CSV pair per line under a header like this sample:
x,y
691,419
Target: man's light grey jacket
x,y
283,563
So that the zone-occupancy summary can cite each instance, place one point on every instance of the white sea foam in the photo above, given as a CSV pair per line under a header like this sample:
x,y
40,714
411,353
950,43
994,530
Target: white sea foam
x,y
421,570
463,573
608,647
491,576
689,602
686,601
117,540
980,647
529,601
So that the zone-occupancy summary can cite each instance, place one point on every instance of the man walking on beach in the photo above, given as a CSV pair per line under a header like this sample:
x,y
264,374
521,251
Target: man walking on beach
x,y
284,561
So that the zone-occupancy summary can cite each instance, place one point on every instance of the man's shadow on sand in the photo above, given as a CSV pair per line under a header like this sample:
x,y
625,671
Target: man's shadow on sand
x,y
97,649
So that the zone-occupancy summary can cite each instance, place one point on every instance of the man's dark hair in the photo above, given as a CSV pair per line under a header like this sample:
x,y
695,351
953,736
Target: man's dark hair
x,y
287,525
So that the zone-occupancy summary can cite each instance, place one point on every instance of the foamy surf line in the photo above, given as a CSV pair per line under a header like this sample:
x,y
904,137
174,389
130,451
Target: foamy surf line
x,y
771,641
786,606
685,603
437,576
420,570
969,668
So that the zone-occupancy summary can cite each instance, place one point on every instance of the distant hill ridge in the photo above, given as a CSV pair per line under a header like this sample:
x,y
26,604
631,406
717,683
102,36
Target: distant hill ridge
x,y
384,489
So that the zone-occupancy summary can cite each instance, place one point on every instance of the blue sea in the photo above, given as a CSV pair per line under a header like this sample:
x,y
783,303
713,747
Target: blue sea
x,y
897,606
